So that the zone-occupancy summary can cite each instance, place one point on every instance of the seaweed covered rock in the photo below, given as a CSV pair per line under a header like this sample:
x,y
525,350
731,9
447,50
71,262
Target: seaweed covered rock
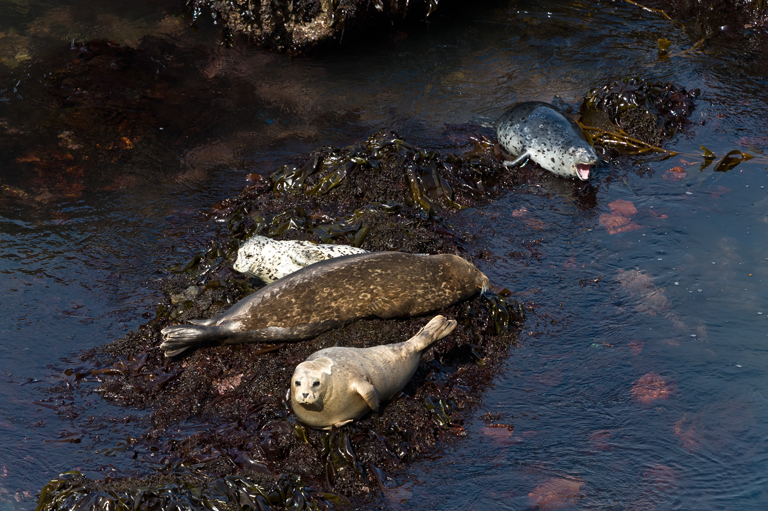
x,y
649,111
220,433
301,25
710,18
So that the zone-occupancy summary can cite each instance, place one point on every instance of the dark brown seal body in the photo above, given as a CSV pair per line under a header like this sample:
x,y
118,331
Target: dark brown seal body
x,y
334,292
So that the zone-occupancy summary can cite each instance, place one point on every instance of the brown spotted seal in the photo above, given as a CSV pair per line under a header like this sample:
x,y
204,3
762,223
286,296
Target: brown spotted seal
x,y
331,293
335,386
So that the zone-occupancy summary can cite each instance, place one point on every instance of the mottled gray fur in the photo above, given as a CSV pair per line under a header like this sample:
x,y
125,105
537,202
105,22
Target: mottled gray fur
x,y
550,138
269,260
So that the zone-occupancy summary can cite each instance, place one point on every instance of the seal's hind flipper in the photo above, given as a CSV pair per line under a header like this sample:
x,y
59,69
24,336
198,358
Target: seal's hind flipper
x,y
178,338
436,329
384,308
202,322
524,156
173,353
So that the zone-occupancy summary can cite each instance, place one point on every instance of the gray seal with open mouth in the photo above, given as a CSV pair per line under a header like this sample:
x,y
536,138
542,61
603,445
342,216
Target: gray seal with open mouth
x,y
332,293
547,136
337,385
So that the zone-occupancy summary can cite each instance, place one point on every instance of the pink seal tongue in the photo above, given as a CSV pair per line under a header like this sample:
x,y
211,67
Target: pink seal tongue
x,y
583,171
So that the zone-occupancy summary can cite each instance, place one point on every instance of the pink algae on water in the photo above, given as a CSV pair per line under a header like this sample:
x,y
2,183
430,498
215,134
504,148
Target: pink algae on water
x,y
618,220
556,493
651,387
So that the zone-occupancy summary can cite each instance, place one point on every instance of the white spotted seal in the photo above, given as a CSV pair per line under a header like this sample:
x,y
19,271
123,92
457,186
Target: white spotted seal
x,y
335,386
550,138
333,292
269,260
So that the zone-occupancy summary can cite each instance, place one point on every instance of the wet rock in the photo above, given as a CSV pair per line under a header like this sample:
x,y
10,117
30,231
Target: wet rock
x,y
713,18
383,194
651,112
301,25
188,294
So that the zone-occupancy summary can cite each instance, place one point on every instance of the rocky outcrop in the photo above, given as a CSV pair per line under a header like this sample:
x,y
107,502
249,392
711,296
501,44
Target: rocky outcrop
x,y
298,25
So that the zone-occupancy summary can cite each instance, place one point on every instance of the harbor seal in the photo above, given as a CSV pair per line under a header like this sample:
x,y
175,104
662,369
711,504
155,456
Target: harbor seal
x,y
333,292
269,260
335,386
550,138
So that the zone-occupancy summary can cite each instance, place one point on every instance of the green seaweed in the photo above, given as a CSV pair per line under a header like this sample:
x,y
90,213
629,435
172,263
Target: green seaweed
x,y
731,160
669,104
504,313
440,411
333,179
291,178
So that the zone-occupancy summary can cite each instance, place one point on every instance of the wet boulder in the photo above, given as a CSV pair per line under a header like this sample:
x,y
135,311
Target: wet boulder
x,y
301,25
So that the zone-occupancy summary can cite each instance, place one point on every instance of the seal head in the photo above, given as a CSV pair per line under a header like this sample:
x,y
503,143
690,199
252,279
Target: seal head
x,y
540,132
310,382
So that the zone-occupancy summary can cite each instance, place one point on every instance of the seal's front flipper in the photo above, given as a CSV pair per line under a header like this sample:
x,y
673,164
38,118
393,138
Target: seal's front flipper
x,y
368,392
524,156
307,256
385,308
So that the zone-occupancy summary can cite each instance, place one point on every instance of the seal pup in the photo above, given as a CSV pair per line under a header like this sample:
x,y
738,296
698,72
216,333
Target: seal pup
x,y
550,138
335,386
333,292
269,260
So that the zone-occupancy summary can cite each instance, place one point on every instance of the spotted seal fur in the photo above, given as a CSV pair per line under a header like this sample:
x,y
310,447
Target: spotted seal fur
x,y
269,260
547,136
337,385
333,292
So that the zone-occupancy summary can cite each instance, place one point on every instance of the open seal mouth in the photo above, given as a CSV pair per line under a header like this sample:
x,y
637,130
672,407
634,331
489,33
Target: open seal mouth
x,y
583,171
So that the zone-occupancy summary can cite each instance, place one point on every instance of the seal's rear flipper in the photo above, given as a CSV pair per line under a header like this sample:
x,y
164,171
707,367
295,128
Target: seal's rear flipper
x,y
178,338
202,322
437,328
516,161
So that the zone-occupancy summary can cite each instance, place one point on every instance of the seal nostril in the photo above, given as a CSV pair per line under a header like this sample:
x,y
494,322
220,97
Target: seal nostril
x,y
305,394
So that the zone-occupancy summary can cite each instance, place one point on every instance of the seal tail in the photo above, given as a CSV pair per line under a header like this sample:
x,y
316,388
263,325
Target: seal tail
x,y
433,331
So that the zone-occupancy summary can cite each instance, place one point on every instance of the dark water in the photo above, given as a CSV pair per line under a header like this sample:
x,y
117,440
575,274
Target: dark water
x,y
640,382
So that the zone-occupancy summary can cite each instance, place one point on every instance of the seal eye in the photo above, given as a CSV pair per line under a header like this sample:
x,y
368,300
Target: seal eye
x,y
316,384
297,383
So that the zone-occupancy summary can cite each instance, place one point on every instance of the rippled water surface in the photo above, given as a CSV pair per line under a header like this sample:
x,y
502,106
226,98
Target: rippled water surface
x,y
640,381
